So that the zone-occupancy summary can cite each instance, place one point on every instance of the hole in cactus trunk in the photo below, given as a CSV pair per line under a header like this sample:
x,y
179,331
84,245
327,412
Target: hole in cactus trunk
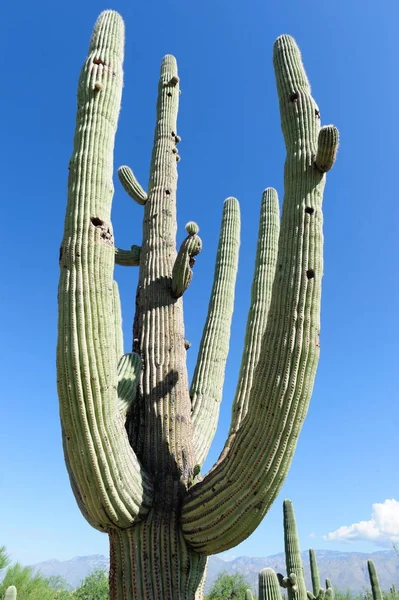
x,y
310,273
167,192
96,222
309,210
294,96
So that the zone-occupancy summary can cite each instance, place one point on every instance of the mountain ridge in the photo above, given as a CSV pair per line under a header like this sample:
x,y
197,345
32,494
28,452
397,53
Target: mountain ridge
x,y
347,570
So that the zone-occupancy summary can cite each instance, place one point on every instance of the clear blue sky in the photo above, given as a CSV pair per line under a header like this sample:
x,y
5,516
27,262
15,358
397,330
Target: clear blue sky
x,y
347,456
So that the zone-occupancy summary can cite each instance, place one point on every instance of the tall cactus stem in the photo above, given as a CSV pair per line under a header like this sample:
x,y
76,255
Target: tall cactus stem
x,y
296,589
374,582
314,572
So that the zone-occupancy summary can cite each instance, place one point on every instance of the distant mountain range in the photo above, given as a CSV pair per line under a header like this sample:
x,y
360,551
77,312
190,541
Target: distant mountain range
x,y
347,570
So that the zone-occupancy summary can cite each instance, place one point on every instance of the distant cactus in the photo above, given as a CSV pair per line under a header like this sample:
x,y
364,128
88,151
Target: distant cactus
x,y
135,435
374,582
248,595
11,593
269,588
295,580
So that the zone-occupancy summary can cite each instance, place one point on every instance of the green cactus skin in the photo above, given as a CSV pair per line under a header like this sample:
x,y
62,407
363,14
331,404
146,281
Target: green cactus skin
x,y
318,592
374,582
295,582
128,258
327,148
11,593
207,383
182,273
129,369
261,292
329,591
221,511
134,435
107,473
269,588
248,595
131,185
314,572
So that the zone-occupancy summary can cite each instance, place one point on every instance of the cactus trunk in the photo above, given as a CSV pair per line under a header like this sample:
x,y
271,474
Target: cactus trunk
x,y
134,433
152,561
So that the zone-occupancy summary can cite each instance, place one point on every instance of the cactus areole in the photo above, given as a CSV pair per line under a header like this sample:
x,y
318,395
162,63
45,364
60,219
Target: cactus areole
x,y
135,434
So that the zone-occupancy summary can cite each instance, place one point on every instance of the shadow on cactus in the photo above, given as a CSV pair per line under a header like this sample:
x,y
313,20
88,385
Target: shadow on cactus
x,y
135,433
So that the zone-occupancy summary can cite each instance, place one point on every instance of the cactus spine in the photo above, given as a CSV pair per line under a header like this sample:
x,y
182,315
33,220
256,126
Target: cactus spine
x,y
134,434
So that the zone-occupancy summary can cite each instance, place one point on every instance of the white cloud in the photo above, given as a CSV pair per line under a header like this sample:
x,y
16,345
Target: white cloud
x,y
382,528
312,534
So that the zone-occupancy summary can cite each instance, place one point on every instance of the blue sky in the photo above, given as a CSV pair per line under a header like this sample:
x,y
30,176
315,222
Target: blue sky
x,y
346,460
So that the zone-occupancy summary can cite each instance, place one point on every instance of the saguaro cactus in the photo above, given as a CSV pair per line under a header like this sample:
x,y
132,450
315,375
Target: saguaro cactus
x,y
269,588
134,434
374,582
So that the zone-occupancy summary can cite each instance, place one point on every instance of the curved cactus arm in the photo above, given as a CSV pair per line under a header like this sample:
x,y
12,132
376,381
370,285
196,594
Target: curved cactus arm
x,y
248,595
229,503
182,273
269,588
261,293
207,383
314,572
129,369
128,258
112,486
11,593
131,185
374,582
327,148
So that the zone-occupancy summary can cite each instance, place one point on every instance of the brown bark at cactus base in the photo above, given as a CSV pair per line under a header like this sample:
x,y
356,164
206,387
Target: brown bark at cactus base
x,y
151,560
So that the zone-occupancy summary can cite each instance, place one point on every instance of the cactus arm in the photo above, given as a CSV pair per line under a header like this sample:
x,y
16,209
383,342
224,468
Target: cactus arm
x,y
375,584
261,292
327,148
128,258
269,588
182,273
314,572
207,383
108,476
227,505
131,185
